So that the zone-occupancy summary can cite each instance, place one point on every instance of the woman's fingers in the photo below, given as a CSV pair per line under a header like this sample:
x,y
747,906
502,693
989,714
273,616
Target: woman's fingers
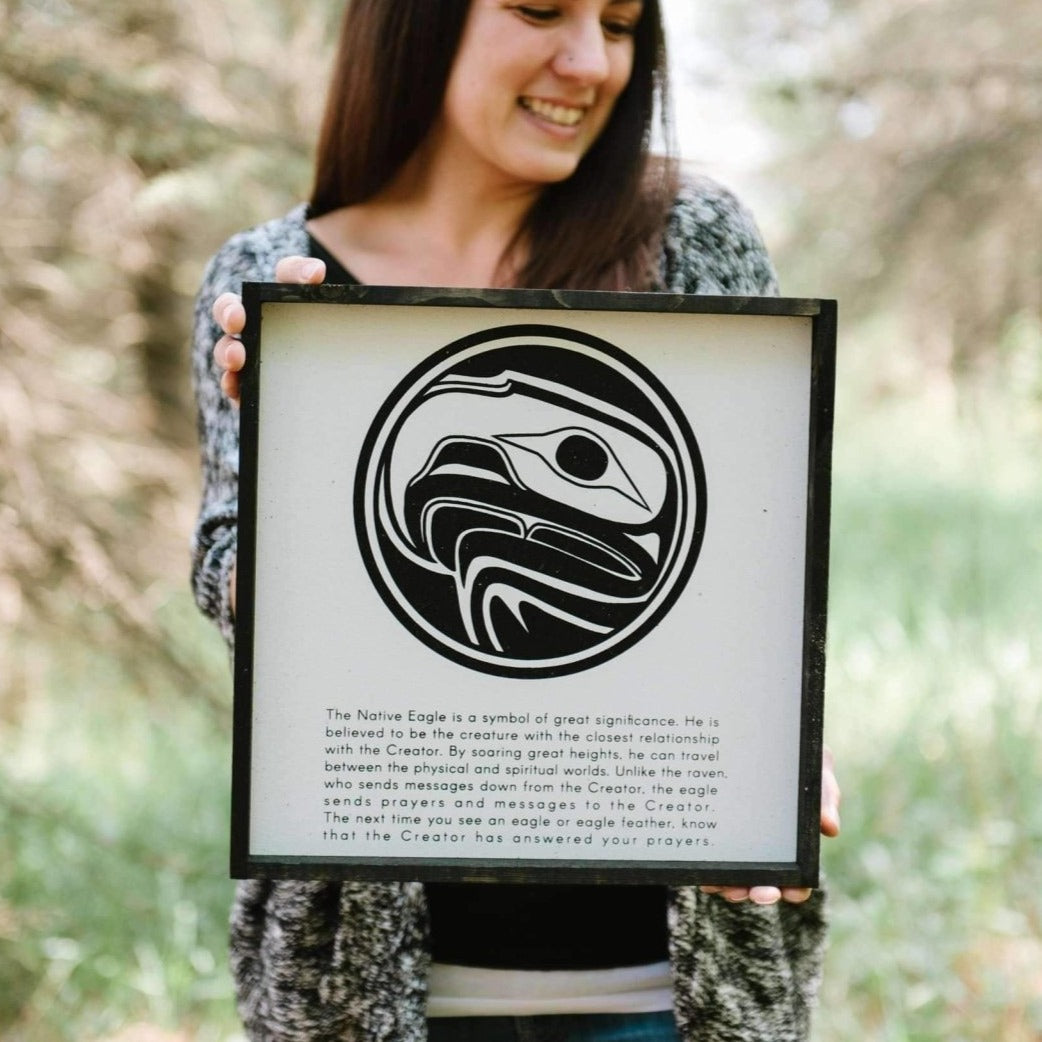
x,y
728,893
769,895
760,895
230,316
830,795
229,313
300,270
764,895
229,354
230,385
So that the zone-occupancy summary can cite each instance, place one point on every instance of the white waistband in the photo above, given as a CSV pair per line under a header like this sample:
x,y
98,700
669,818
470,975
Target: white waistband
x,y
470,991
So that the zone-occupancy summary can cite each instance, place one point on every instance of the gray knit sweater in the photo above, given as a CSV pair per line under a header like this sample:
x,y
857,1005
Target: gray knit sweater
x,y
347,962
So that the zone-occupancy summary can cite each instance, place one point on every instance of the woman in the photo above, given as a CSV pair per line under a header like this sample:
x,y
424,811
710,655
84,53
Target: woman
x,y
495,143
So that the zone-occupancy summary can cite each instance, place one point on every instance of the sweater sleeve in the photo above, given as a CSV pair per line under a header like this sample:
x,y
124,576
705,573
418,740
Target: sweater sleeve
x,y
711,245
746,972
249,256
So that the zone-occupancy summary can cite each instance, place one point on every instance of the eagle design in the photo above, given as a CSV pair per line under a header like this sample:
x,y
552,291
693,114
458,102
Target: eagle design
x,y
524,517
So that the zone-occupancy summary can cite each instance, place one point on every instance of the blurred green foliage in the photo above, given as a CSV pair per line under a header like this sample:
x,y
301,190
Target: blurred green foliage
x,y
906,161
113,870
136,137
934,710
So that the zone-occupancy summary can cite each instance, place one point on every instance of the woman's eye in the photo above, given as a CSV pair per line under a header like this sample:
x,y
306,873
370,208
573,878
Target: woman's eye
x,y
617,30
538,14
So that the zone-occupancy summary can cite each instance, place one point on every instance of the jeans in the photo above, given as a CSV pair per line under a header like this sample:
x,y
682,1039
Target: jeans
x,y
586,1027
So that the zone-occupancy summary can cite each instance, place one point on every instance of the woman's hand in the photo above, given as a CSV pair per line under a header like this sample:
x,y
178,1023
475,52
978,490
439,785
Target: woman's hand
x,y
228,352
769,895
230,315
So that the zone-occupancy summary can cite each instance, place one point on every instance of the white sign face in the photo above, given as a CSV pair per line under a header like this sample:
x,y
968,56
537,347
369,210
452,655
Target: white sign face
x,y
527,586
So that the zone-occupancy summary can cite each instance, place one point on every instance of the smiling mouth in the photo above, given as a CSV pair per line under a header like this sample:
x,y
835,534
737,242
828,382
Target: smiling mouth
x,y
561,115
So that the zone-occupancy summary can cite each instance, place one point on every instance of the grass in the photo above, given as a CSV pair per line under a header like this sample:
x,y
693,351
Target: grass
x,y
113,813
113,799
935,707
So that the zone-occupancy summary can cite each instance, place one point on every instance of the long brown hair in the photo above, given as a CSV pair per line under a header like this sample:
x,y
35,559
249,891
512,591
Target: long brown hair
x,y
596,230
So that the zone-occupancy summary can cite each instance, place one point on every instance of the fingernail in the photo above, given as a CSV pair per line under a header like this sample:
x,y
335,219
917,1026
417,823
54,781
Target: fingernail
x,y
311,269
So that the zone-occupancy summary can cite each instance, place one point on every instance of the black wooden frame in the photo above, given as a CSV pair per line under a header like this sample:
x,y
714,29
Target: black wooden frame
x,y
803,871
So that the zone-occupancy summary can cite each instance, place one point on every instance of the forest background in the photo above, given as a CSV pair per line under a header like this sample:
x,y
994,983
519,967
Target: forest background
x,y
892,151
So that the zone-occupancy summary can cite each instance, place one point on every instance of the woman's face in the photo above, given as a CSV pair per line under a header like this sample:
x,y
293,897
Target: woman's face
x,y
532,86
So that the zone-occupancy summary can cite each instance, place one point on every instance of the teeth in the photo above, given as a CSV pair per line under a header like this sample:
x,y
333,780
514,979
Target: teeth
x,y
562,115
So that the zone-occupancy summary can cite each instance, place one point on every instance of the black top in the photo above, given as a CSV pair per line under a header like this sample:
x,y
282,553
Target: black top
x,y
506,926
532,927
336,273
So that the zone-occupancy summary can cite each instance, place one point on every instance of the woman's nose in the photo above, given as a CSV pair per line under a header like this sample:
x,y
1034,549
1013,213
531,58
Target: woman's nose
x,y
583,53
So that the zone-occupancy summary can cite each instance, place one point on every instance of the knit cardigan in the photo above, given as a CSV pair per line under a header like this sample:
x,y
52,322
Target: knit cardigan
x,y
348,962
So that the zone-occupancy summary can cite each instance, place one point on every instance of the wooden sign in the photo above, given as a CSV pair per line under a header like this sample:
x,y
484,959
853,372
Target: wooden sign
x,y
532,585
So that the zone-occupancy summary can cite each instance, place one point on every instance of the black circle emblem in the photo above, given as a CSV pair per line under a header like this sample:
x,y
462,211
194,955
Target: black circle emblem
x,y
530,501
